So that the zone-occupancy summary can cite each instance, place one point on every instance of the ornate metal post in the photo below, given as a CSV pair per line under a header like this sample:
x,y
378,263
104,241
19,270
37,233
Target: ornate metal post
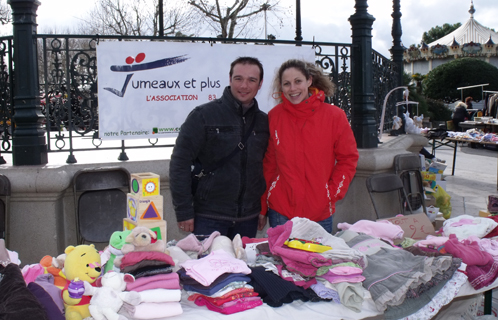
x,y
28,140
363,112
298,21
397,49
161,18
397,57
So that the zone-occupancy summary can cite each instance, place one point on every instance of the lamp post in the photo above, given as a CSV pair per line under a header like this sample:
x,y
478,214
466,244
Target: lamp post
x,y
28,140
363,108
161,19
298,21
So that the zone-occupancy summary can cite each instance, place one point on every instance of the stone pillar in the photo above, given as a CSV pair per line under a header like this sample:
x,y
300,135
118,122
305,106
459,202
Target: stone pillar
x,y
363,120
28,140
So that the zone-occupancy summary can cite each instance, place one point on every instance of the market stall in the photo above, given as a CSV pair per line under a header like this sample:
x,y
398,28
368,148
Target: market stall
x,y
413,280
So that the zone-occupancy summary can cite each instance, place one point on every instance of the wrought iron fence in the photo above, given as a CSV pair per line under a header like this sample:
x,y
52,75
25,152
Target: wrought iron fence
x,y
67,67
385,75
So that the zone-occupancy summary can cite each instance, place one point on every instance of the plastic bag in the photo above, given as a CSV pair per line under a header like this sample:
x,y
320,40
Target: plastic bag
x,y
443,201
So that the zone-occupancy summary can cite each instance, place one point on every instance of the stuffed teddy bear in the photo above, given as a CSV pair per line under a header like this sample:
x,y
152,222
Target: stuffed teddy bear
x,y
82,264
54,265
397,123
114,249
410,127
143,239
108,299
418,120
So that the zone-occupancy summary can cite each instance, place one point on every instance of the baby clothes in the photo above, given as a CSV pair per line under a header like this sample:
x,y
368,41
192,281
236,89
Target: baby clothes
x,y
383,229
325,293
223,243
165,281
207,269
303,228
151,310
191,243
232,295
160,295
298,261
231,307
464,226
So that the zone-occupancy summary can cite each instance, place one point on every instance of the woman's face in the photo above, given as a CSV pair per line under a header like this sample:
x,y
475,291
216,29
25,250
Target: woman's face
x,y
295,85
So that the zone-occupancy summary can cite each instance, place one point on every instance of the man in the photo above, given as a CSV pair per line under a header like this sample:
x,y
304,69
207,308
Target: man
x,y
228,199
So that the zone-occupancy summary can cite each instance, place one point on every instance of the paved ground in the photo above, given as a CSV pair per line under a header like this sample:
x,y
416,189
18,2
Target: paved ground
x,y
475,177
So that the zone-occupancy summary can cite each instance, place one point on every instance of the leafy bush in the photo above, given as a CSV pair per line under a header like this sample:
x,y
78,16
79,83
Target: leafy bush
x,y
437,110
442,82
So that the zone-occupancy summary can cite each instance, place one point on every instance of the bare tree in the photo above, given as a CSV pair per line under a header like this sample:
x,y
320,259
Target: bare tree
x,y
235,18
5,13
137,18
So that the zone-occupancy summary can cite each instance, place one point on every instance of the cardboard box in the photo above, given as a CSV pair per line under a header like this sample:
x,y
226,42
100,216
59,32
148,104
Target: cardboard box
x,y
144,208
415,226
430,201
437,167
438,223
158,226
145,184
434,179
484,213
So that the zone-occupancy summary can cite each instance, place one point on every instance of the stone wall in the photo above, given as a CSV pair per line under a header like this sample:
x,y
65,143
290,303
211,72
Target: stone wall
x,y
42,211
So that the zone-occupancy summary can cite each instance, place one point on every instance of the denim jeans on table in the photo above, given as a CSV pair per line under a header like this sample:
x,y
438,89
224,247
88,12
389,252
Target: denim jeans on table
x,y
206,226
276,219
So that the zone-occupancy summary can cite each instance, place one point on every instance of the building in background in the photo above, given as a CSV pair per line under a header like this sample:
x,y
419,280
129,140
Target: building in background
x,y
472,39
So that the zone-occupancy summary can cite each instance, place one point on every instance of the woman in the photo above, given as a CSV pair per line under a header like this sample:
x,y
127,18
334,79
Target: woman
x,y
460,114
312,155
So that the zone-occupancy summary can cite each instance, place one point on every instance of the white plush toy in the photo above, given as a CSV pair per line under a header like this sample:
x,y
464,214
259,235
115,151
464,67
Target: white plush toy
x,y
108,299
410,127
397,123
418,120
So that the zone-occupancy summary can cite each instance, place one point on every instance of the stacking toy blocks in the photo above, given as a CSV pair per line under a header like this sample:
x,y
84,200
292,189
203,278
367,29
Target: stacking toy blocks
x,y
145,204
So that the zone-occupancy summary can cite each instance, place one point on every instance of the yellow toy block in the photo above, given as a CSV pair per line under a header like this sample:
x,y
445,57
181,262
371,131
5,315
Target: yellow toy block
x,y
158,226
148,208
145,184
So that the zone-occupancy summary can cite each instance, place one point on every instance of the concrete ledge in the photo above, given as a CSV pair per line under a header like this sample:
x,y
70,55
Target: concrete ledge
x,y
42,211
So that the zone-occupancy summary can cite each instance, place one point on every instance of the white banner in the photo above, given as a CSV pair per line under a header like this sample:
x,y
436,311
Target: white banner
x,y
147,89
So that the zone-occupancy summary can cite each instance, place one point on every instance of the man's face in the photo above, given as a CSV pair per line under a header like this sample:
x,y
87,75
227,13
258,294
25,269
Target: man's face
x,y
245,82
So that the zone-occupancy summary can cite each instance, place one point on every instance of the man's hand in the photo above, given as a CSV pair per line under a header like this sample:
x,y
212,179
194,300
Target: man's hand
x,y
187,225
261,222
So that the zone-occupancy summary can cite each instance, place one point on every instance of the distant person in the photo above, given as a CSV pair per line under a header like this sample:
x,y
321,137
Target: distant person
x,y
312,155
228,199
460,114
468,102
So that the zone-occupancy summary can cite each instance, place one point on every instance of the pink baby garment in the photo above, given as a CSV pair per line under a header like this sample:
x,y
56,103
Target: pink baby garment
x,y
209,268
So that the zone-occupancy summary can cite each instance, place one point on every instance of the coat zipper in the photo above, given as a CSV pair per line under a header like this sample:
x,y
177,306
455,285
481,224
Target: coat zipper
x,y
243,160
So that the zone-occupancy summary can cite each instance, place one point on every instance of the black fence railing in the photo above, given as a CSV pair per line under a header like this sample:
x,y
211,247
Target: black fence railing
x,y
67,70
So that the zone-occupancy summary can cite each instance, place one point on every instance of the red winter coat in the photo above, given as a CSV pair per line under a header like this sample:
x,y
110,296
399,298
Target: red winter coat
x,y
311,158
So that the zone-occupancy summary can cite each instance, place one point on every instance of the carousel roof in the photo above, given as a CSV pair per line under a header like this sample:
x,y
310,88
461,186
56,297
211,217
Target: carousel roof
x,y
471,31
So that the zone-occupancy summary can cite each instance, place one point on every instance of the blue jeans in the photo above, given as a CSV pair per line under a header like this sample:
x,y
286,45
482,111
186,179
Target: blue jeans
x,y
276,219
206,226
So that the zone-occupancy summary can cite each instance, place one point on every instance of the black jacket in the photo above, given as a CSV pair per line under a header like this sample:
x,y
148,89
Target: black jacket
x,y
211,132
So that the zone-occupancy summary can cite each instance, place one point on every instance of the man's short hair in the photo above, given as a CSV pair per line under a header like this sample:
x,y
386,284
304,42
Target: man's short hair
x,y
248,60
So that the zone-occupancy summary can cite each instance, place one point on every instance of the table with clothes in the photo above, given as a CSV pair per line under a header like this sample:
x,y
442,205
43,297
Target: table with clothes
x,y
355,274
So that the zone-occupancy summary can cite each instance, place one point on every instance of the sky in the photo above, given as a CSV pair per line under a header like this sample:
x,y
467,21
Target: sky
x,y
323,20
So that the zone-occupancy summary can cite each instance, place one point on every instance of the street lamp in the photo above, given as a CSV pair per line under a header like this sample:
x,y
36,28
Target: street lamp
x,y
161,16
298,21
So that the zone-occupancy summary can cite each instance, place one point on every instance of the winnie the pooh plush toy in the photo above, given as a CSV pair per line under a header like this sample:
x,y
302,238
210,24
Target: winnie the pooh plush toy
x,y
82,264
